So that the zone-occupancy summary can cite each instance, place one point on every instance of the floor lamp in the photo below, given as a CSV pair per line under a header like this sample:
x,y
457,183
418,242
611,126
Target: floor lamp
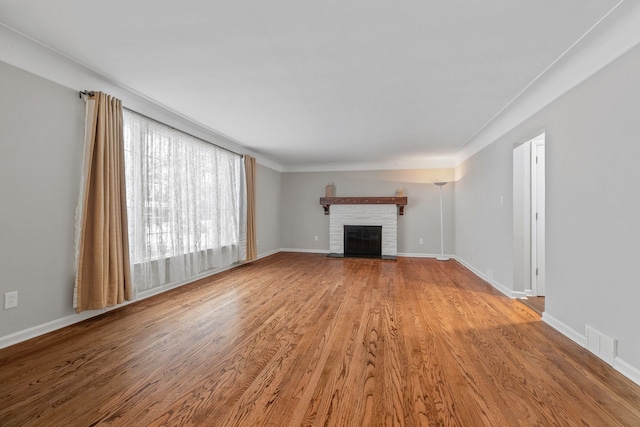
x,y
441,257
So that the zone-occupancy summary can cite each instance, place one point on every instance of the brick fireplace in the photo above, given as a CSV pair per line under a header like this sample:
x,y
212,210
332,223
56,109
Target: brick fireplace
x,y
371,215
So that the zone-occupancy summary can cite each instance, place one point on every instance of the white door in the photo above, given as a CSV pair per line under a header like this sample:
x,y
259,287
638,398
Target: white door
x,y
538,217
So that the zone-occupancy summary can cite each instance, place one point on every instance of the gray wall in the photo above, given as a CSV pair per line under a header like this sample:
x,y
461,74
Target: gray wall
x,y
41,136
41,144
303,218
592,205
483,210
268,199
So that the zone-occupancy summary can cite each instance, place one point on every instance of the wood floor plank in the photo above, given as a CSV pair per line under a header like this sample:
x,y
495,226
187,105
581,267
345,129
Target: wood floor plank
x,y
302,339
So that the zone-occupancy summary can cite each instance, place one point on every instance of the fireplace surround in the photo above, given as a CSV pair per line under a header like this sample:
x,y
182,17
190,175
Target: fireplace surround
x,y
382,215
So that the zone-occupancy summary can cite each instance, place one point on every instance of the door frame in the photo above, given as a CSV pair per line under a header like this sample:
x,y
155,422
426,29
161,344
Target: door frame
x,y
536,274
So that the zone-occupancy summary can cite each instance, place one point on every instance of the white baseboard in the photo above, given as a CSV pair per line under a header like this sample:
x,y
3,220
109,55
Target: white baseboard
x,y
45,328
266,254
627,370
419,255
518,294
564,329
325,251
500,287
619,365
470,268
155,291
307,251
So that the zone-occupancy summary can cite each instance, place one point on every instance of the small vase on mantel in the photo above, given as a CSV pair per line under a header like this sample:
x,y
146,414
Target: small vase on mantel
x,y
400,192
328,191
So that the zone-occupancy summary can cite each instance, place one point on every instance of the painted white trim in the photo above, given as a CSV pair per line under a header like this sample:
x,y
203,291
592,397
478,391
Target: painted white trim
x,y
627,370
400,164
310,251
533,205
471,268
606,41
266,254
161,289
45,328
37,58
497,285
508,292
513,294
564,329
267,161
535,221
420,255
30,55
325,251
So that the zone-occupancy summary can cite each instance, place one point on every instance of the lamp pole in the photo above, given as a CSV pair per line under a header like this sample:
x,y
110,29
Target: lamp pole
x,y
441,257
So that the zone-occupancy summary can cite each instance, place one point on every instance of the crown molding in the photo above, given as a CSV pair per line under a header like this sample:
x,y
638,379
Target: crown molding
x,y
23,52
610,38
415,163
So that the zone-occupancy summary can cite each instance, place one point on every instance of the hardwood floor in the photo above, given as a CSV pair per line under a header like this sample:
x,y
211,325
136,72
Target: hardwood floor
x,y
534,303
301,339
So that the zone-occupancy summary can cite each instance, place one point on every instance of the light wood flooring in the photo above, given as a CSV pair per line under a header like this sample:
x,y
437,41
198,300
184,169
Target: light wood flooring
x,y
301,339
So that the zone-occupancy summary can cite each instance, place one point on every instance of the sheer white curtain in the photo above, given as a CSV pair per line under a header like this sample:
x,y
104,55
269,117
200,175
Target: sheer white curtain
x,y
184,203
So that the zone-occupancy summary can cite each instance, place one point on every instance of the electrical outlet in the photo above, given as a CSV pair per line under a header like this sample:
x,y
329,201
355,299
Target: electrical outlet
x,y
421,241
315,238
10,299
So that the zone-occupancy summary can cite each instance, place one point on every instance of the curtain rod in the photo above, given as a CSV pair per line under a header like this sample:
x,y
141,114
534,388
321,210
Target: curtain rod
x,y
91,93
180,130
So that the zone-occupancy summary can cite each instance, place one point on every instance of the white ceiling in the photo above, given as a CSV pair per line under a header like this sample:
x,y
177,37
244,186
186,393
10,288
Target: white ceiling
x,y
348,81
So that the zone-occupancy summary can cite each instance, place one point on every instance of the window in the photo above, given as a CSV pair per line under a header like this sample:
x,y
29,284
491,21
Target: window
x,y
183,201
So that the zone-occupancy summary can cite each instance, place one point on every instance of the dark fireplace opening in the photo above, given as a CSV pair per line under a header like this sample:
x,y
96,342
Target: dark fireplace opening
x,y
363,241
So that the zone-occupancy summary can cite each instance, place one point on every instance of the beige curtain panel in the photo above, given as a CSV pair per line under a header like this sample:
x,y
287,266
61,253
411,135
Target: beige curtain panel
x,y
250,178
103,272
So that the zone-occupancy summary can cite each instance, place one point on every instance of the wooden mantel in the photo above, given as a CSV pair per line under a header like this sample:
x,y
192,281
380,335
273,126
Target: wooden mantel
x,y
401,202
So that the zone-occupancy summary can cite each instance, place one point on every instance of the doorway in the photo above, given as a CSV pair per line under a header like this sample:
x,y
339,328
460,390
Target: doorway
x,y
529,219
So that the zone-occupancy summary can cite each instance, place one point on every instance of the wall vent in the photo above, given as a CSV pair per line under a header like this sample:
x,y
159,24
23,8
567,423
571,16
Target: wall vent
x,y
601,345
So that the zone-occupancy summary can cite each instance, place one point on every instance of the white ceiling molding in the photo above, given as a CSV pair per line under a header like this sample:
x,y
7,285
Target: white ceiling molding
x,y
269,68
27,54
609,39
407,164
